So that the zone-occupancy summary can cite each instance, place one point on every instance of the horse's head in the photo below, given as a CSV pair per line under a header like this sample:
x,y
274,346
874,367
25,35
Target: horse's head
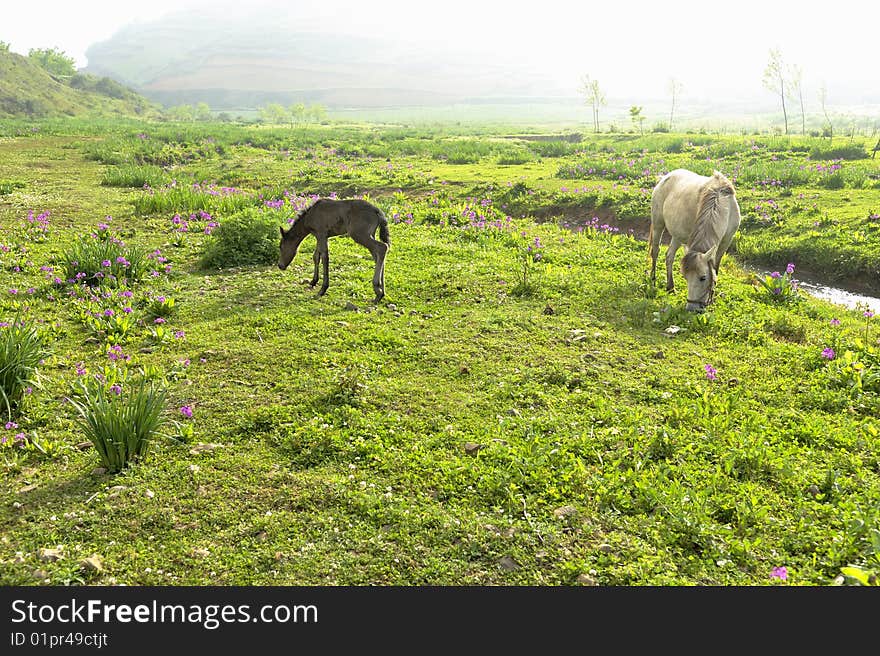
x,y
699,271
290,241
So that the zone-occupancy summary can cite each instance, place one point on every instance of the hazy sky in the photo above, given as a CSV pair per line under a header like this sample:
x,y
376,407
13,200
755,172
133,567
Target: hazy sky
x,y
631,47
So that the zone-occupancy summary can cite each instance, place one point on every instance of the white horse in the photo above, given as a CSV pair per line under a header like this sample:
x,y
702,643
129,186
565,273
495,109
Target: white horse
x,y
701,213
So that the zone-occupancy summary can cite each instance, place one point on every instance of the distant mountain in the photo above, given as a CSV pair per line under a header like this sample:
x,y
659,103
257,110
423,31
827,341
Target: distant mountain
x,y
26,89
238,63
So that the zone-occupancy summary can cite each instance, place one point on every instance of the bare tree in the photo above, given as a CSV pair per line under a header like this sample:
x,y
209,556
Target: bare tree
x,y
774,80
823,98
675,88
595,97
796,91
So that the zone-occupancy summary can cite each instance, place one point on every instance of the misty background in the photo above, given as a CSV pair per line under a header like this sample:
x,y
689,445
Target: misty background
x,y
467,59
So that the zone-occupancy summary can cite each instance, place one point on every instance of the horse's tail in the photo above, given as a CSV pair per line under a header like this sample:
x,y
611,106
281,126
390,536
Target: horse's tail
x,y
383,229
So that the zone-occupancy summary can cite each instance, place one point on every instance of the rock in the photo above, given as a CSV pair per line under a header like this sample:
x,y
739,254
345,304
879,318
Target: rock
x,y
658,355
149,494
93,563
98,471
350,306
585,579
201,552
672,330
193,469
392,307
19,558
50,555
513,412
116,490
548,310
262,536
203,447
565,512
471,448
606,548
508,563
464,370
40,574
82,446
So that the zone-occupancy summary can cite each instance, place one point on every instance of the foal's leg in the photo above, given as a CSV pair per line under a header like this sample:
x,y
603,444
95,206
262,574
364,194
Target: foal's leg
x,y
378,249
323,253
317,260
674,244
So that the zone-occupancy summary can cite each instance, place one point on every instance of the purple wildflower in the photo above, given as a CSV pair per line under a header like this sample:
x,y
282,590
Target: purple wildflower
x,y
780,573
711,372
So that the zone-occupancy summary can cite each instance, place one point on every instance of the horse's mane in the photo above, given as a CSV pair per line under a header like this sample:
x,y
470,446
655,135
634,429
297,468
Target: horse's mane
x,y
708,230
306,210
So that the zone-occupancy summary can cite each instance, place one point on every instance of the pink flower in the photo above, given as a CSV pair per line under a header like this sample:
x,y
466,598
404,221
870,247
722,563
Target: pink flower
x,y
711,372
186,411
828,353
780,573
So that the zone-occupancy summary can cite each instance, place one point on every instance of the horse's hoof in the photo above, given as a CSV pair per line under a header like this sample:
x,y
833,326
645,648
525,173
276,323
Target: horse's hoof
x,y
669,290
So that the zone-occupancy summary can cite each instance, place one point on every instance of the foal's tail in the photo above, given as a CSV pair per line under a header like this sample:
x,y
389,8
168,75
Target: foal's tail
x,y
383,229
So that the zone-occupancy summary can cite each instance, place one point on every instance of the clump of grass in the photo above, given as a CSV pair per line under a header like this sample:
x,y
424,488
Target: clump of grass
x,y
121,420
247,238
22,349
101,259
131,175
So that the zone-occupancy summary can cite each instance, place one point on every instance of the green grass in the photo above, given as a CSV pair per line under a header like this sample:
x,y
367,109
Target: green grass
x,y
467,422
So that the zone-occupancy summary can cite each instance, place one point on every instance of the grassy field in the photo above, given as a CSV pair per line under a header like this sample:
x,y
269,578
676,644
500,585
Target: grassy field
x,y
522,408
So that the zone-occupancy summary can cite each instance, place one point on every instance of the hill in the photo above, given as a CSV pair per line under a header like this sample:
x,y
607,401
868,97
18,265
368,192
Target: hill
x,y
234,62
26,89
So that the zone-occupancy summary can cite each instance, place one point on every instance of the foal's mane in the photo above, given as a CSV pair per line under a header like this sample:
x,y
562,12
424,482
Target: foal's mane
x,y
297,220
708,230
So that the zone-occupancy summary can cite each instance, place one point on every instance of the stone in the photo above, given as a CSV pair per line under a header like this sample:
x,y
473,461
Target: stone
x,y
471,448
508,563
93,563
50,555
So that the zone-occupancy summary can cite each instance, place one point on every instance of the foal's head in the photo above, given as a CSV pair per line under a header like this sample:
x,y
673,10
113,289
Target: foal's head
x,y
699,271
290,241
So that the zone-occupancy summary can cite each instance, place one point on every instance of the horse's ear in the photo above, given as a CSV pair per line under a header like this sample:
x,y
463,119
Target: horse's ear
x,y
281,230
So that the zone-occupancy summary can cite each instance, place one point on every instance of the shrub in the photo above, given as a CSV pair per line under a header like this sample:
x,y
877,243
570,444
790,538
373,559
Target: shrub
x,y
121,420
849,152
247,238
21,351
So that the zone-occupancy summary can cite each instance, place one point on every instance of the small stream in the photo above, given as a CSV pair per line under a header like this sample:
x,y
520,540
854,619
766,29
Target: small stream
x,y
837,295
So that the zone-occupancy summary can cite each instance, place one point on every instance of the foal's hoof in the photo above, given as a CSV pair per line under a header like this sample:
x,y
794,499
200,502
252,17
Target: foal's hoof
x,y
670,288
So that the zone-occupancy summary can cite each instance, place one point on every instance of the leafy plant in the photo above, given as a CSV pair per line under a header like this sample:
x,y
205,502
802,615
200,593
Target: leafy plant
x,y
779,287
22,349
101,259
121,420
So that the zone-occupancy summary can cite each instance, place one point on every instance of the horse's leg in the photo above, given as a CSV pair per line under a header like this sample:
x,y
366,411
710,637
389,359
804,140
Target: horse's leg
x,y
323,253
317,260
378,249
674,244
654,237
